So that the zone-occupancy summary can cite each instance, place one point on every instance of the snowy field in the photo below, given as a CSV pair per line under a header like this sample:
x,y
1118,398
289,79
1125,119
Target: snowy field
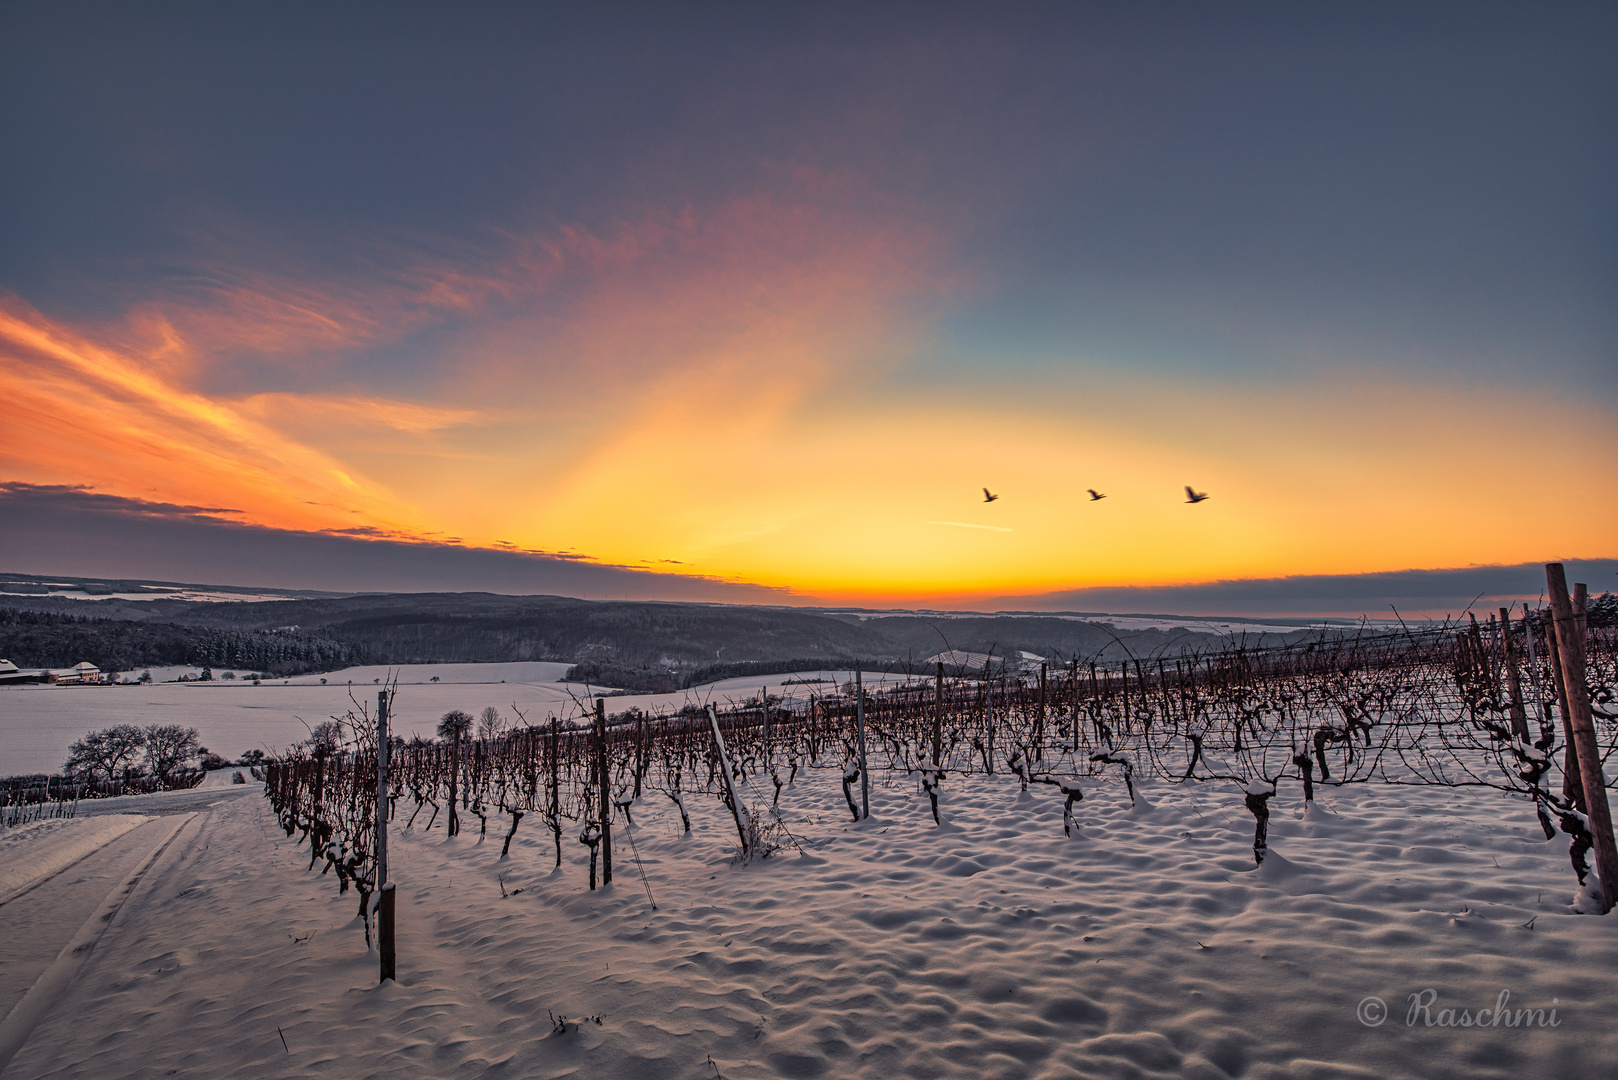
x,y
38,722
1146,945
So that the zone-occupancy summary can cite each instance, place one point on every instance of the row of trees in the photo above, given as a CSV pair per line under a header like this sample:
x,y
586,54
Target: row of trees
x,y
127,751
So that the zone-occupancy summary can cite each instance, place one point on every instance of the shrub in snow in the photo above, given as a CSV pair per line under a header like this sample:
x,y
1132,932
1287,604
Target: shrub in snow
x,y
1258,794
516,819
591,837
1126,764
931,777
623,801
851,775
1069,788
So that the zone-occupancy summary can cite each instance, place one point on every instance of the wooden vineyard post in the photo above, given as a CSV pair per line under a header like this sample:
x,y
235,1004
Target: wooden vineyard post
x,y
988,715
1508,652
640,751
1570,643
1123,671
1095,703
859,719
938,714
453,824
1075,677
604,777
764,707
384,910
555,811
1572,781
1541,714
737,810
814,721
1039,725
381,788
385,940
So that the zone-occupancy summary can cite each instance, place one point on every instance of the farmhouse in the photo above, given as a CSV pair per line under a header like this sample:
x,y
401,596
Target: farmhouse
x,y
82,672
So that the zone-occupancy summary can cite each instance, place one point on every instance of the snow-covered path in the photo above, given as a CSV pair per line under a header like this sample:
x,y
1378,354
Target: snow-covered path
x,y
1144,946
41,920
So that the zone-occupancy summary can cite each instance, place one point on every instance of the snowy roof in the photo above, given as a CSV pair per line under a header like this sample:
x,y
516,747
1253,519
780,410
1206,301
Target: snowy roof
x,y
959,658
963,658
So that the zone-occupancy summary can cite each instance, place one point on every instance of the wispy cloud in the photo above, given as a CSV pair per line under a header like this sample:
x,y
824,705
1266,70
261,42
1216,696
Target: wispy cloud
x,y
88,414
969,525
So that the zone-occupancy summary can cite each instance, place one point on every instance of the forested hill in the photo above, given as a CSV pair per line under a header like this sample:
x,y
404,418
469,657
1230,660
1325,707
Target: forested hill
x,y
636,645
40,639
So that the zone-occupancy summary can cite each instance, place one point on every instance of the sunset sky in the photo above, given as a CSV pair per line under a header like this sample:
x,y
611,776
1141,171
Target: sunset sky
x,y
766,295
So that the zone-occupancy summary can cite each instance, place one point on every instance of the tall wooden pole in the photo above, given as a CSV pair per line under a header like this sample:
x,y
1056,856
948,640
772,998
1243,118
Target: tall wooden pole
x,y
1541,711
381,788
1039,728
1075,678
1123,671
1096,699
1508,652
555,811
938,715
1570,643
737,810
1572,778
988,712
453,824
604,781
385,905
385,938
865,774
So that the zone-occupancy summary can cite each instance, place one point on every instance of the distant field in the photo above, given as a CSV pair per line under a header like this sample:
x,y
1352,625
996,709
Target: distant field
x,y
38,722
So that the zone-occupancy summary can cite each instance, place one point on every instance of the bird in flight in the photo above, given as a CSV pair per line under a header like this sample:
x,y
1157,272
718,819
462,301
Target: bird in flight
x,y
1095,496
989,496
1194,496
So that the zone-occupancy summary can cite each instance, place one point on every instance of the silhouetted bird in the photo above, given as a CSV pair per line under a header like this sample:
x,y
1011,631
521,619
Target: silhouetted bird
x,y
1194,496
988,496
1095,496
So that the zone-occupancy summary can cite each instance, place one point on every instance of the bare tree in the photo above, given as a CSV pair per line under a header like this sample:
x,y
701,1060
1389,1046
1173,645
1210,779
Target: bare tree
x,y
491,725
168,746
325,739
108,752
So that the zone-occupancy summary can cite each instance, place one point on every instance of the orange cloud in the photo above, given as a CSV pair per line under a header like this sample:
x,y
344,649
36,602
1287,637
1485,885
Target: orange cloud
x,y
85,414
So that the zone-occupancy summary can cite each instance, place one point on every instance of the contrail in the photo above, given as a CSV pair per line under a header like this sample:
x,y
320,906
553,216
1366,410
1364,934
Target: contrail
x,y
966,525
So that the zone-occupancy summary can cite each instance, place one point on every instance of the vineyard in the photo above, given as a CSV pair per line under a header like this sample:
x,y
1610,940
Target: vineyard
x,y
1476,705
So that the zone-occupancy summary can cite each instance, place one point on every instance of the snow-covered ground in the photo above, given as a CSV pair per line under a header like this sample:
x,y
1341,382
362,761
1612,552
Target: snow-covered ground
x,y
1145,945
38,722
41,848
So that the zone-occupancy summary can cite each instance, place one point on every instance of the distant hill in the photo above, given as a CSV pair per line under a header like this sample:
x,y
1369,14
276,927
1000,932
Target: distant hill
x,y
635,645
